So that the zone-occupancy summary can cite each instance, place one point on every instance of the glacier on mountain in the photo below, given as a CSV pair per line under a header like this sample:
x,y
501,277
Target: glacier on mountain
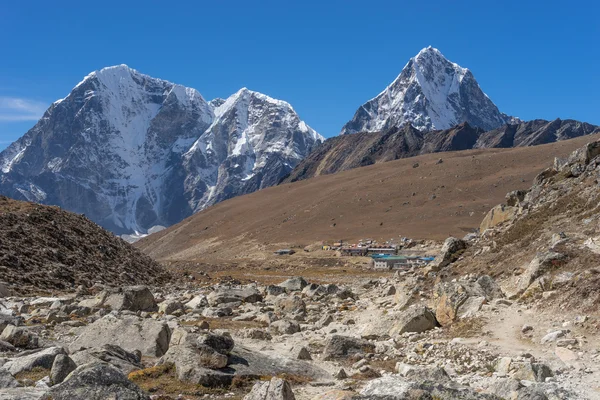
x,y
131,151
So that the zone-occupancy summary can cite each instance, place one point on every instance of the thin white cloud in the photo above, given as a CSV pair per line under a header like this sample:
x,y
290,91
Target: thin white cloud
x,y
19,109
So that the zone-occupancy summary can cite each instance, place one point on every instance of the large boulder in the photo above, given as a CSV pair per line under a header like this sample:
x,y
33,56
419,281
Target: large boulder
x,y
294,284
131,333
62,366
97,382
541,264
498,215
125,361
419,373
221,343
461,299
132,298
414,319
448,254
170,307
285,327
290,305
398,388
342,346
42,359
19,336
275,389
223,295
184,353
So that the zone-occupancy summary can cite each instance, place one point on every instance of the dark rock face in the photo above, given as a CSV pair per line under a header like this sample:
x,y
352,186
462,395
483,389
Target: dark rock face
x,y
430,93
132,152
356,150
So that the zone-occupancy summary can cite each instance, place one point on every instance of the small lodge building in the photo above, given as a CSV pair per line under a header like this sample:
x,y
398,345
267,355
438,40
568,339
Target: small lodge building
x,y
354,251
284,252
399,262
372,250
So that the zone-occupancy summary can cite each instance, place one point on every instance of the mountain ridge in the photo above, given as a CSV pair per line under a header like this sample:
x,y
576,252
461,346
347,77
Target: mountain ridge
x,y
431,93
355,150
132,151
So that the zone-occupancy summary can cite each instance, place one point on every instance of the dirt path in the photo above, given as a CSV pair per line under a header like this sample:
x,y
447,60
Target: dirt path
x,y
582,375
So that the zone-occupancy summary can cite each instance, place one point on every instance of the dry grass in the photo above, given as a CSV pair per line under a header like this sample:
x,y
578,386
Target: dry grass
x,y
32,376
162,380
374,201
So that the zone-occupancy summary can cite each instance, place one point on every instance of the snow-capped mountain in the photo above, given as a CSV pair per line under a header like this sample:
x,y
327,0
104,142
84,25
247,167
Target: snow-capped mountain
x,y
430,93
131,151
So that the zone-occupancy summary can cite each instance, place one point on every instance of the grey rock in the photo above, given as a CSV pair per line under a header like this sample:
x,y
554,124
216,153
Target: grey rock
x,y
414,319
197,302
301,353
62,366
231,295
7,380
257,334
285,327
241,363
170,307
131,333
217,312
111,354
42,358
538,266
221,343
290,305
447,254
97,382
296,283
341,346
19,337
24,393
422,373
132,298
275,389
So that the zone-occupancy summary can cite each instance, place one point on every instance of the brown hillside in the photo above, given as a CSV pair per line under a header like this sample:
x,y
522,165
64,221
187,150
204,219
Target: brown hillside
x,y
45,248
355,150
381,201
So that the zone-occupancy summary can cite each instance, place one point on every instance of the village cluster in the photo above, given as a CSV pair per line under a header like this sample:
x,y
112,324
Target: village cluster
x,y
388,255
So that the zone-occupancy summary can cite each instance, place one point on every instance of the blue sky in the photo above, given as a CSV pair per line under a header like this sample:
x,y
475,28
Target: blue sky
x,y
535,59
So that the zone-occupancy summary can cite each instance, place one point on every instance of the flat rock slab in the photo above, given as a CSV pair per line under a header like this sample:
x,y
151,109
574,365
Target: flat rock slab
x,y
43,359
131,333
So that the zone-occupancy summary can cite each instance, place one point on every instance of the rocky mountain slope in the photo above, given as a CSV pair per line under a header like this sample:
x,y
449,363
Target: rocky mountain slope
x,y
431,93
357,150
44,248
544,241
380,201
132,152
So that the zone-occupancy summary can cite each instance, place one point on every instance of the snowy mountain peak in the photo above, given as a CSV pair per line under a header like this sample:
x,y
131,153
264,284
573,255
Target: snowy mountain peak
x,y
132,151
430,93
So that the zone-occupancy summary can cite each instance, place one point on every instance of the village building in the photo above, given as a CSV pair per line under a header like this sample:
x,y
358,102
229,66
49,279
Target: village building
x,y
399,262
354,251
284,252
381,250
